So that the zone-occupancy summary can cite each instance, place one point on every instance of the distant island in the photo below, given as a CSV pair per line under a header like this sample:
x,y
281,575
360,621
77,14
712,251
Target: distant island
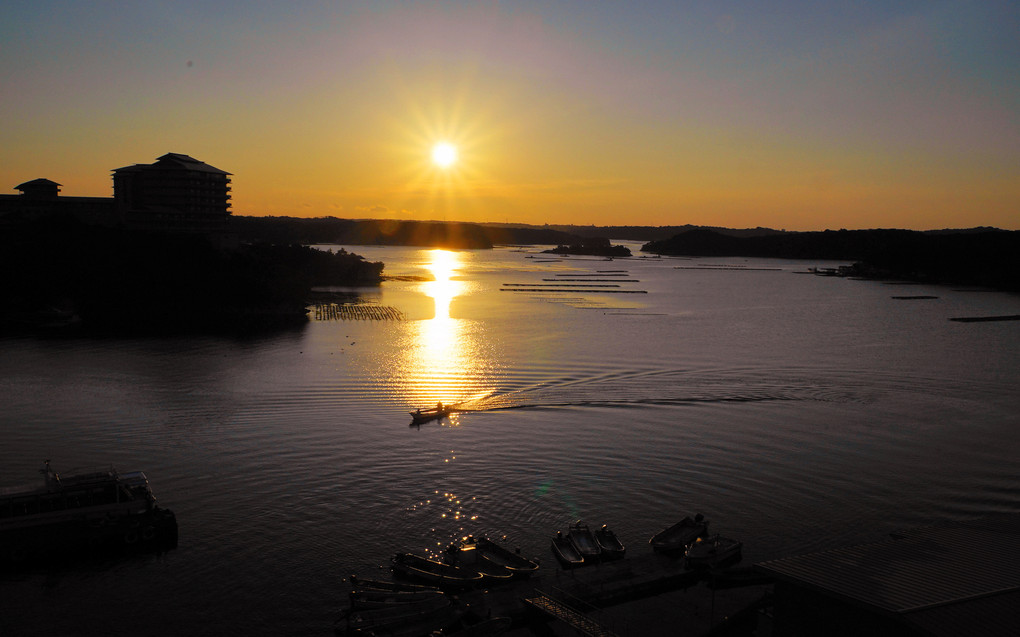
x,y
982,256
598,246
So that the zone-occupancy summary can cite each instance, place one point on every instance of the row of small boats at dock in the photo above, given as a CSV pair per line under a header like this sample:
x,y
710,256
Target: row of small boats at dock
x,y
473,560
688,539
580,545
400,609
423,597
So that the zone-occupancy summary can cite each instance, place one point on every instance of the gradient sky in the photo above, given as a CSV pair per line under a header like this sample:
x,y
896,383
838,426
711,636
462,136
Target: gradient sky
x,y
802,115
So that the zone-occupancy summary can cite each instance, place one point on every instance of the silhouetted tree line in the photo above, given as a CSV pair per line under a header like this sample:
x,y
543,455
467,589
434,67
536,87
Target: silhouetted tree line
x,y
437,234
984,257
116,279
655,233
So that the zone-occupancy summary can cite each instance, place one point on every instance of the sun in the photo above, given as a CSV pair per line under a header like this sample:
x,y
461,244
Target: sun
x,y
444,154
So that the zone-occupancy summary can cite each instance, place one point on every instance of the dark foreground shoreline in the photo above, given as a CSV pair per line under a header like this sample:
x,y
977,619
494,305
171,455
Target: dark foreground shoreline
x,y
111,280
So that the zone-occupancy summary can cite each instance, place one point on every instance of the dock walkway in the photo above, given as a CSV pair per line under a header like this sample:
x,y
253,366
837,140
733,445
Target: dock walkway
x,y
595,600
577,620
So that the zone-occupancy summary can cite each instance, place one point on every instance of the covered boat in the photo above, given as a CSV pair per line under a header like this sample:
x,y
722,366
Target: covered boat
x,y
675,539
584,540
713,551
565,551
612,547
82,511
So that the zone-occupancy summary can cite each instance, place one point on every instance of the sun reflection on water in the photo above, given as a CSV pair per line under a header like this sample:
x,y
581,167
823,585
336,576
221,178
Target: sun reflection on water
x,y
442,359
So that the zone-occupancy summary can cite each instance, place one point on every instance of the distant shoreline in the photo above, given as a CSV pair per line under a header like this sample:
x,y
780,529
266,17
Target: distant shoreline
x,y
981,256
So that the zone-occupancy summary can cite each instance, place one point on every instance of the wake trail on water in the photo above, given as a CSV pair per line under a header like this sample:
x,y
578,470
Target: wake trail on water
x,y
678,387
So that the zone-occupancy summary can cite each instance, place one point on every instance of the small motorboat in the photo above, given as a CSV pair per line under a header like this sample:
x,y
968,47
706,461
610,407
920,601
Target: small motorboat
x,y
362,584
612,547
584,540
565,551
422,416
434,572
519,565
713,551
675,539
466,555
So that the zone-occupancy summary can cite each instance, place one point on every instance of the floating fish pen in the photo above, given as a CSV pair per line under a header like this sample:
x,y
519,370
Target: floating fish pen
x,y
597,280
356,312
561,285
985,319
737,268
573,290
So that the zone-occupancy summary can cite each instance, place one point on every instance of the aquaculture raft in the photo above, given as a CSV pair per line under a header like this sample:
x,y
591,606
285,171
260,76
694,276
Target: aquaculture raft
x,y
356,312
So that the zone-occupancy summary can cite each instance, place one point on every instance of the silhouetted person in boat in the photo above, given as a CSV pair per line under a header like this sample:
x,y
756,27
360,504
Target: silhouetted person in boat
x,y
439,406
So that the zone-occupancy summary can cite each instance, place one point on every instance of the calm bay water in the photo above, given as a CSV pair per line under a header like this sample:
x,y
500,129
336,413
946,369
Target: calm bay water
x,y
796,412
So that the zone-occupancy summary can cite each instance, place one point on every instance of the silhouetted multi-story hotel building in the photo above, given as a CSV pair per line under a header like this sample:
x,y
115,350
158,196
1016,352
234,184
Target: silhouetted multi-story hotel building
x,y
176,193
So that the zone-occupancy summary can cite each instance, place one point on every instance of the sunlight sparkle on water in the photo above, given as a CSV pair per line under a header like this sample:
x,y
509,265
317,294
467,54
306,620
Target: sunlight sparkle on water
x,y
441,361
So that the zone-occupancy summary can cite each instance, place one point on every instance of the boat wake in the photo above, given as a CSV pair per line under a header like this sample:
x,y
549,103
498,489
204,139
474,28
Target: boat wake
x,y
677,387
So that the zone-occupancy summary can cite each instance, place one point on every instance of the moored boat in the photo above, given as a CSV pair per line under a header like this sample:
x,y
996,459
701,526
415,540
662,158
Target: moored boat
x,y
584,540
519,565
466,555
370,599
713,551
612,547
435,572
565,551
84,510
360,583
674,540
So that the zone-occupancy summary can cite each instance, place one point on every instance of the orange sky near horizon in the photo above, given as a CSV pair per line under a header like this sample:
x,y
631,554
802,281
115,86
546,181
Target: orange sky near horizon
x,y
797,117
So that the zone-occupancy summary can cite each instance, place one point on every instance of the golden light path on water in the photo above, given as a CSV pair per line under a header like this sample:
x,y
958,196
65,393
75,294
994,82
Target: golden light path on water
x,y
442,361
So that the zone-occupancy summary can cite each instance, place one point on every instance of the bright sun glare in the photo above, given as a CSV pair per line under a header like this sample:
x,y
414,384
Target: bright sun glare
x,y
444,154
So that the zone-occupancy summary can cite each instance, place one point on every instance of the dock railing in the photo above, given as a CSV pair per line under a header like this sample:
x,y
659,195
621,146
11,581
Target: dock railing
x,y
576,612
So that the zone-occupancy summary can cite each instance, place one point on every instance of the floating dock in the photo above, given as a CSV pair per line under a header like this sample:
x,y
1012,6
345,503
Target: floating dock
x,y
615,598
